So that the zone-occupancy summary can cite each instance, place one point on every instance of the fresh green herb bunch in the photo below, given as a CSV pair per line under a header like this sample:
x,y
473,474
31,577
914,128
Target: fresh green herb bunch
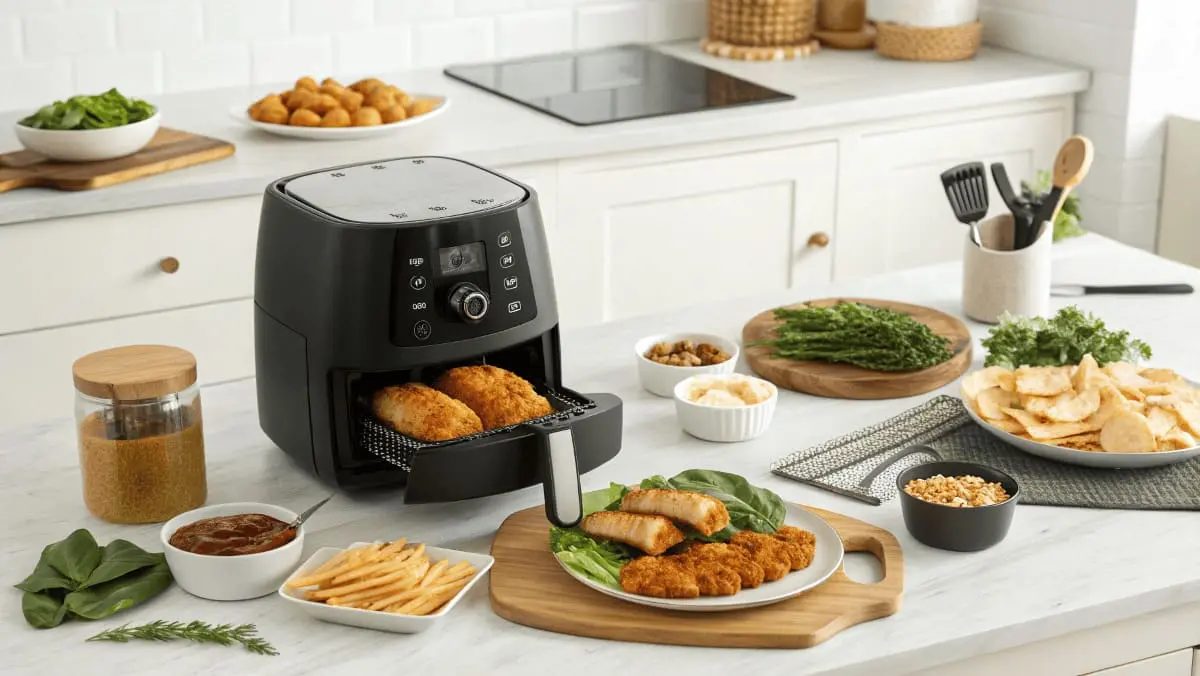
x,y
1059,341
196,631
873,338
1066,225
102,111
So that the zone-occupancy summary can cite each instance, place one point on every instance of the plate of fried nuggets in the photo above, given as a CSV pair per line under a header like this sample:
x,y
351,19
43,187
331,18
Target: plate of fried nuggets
x,y
752,569
394,586
1121,415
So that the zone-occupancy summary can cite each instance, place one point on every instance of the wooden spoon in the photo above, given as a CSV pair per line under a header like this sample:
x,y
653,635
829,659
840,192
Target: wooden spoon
x,y
1070,168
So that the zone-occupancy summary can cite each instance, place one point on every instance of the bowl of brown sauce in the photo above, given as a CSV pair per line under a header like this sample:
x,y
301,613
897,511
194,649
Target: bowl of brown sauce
x,y
232,551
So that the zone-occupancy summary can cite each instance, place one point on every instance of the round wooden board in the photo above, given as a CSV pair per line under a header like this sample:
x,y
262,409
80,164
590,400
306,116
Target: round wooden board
x,y
844,381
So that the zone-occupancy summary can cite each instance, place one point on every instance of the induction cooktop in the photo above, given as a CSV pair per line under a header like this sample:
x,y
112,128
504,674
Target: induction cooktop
x,y
613,84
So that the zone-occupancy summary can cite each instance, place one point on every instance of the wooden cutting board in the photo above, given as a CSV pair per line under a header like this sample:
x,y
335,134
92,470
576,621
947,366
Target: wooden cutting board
x,y
170,149
528,587
845,381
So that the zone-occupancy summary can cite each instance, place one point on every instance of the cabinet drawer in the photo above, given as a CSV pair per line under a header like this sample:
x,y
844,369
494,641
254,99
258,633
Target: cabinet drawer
x,y
1178,663
221,335
81,269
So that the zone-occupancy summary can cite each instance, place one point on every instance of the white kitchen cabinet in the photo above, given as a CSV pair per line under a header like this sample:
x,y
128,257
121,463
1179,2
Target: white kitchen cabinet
x,y
1178,663
638,238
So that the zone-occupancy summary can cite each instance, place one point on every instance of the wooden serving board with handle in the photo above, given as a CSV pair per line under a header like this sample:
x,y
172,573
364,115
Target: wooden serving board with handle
x,y
170,149
529,587
846,381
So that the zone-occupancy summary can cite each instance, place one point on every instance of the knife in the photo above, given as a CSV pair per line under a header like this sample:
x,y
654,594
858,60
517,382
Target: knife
x,y
1084,290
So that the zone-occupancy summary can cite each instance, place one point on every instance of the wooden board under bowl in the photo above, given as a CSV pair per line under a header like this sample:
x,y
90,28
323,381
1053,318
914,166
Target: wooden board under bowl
x,y
528,587
170,149
845,381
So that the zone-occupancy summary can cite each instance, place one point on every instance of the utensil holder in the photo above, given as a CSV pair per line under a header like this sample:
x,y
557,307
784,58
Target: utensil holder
x,y
997,279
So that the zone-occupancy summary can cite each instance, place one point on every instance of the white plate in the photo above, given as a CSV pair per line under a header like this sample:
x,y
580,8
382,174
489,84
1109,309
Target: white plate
x,y
376,619
1086,458
826,560
339,133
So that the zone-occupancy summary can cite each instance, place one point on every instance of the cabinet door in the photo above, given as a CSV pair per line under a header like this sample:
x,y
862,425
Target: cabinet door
x,y
642,239
1178,663
895,215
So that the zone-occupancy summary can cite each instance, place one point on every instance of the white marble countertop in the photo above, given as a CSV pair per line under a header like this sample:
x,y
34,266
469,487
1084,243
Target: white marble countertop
x,y
1060,569
832,88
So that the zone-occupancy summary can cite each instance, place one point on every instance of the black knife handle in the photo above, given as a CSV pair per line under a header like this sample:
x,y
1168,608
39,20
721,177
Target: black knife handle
x,y
1141,289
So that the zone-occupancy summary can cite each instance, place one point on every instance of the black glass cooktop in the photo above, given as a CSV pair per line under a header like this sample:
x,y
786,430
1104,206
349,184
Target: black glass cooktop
x,y
628,82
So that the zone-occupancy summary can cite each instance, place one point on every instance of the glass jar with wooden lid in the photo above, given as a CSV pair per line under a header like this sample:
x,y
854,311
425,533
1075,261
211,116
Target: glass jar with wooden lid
x,y
141,439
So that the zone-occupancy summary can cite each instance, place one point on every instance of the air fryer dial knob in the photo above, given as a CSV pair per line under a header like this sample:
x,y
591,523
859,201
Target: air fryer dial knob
x,y
469,301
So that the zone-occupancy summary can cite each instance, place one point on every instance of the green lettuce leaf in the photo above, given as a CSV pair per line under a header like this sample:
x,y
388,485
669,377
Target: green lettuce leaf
x,y
597,560
605,499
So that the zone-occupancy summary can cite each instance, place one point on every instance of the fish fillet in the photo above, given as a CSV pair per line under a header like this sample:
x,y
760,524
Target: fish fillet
x,y
702,512
650,533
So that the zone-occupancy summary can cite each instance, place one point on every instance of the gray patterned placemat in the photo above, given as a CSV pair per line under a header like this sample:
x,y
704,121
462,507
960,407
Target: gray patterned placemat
x,y
864,464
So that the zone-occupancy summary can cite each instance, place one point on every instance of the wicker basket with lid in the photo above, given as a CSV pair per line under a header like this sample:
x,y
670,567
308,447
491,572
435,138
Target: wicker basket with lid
x,y
141,441
762,23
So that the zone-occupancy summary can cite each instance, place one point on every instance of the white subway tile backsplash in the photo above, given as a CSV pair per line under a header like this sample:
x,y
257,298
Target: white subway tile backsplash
x,y
461,40
40,83
238,20
10,39
24,5
159,25
287,59
1091,45
206,67
1116,13
323,17
372,53
134,73
538,32
609,24
1108,94
401,11
56,34
486,7
668,20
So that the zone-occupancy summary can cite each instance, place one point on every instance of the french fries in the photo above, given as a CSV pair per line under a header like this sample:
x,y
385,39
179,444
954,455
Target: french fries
x,y
389,577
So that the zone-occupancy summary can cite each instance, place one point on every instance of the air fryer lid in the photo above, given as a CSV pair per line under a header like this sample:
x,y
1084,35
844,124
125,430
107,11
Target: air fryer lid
x,y
407,190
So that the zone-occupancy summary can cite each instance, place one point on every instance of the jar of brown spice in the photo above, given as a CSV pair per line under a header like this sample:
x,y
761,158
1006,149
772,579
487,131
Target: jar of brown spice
x,y
141,439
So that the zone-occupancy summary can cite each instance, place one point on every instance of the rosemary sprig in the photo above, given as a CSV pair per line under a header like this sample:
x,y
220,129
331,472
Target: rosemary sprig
x,y
197,631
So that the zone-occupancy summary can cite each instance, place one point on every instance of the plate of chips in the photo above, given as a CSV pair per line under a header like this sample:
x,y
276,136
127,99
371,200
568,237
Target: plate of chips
x,y
1119,416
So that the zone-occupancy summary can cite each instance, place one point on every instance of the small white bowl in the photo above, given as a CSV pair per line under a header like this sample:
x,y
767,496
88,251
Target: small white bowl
x,y
724,423
661,379
378,619
89,145
231,578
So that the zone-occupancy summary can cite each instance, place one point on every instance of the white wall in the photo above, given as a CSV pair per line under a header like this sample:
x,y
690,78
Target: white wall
x,y
53,48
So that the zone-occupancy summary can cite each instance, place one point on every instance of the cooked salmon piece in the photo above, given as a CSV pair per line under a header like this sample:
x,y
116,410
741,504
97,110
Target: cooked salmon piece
x,y
702,512
651,534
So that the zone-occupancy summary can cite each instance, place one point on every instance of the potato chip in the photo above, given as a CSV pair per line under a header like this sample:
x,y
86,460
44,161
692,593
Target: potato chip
x,y
1161,420
1076,407
1025,418
1176,440
1043,381
1088,373
1127,432
993,400
993,376
1162,376
1111,402
1008,425
1189,416
1039,406
1050,431
1088,441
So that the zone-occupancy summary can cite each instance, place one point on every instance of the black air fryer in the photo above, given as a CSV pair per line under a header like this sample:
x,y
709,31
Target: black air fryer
x,y
390,272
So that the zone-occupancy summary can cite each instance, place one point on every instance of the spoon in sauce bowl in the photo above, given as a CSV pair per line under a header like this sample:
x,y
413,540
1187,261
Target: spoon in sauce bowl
x,y
308,512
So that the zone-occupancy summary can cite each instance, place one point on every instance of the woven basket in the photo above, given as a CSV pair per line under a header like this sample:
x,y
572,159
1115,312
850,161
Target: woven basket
x,y
762,23
953,43
841,15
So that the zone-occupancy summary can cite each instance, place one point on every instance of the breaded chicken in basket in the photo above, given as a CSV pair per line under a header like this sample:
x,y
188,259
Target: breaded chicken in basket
x,y
423,413
500,398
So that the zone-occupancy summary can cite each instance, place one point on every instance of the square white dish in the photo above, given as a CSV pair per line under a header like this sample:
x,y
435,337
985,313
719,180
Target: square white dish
x,y
377,619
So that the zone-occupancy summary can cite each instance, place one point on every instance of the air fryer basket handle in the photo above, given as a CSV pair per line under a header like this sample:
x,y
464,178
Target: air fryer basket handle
x,y
560,473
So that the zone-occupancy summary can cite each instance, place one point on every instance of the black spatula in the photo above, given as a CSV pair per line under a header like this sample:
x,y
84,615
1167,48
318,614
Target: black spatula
x,y
966,189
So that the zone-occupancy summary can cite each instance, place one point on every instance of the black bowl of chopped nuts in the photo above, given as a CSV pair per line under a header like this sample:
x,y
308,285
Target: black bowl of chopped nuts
x,y
959,506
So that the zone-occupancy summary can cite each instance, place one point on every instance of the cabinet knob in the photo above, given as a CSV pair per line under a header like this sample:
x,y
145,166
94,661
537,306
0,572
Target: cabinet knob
x,y
169,265
818,240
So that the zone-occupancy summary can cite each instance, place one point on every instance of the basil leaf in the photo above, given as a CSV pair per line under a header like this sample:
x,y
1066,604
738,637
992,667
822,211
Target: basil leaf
x,y
43,609
75,557
116,595
750,507
44,577
656,481
605,499
118,558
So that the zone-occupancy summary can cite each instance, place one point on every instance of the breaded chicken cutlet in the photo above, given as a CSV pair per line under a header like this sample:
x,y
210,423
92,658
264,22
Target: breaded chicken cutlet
x,y
720,555
500,398
649,533
703,512
806,541
421,412
665,577
777,555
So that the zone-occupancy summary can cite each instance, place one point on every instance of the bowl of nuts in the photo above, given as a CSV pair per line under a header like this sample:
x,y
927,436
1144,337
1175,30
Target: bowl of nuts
x,y
959,506
666,359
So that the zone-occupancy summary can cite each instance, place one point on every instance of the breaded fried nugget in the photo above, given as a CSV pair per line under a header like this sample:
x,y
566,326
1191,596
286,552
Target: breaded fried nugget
x,y
773,555
712,578
500,398
804,540
423,413
732,558
661,576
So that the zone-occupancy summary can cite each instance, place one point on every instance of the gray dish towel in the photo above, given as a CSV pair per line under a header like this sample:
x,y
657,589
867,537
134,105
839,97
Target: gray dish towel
x,y
864,464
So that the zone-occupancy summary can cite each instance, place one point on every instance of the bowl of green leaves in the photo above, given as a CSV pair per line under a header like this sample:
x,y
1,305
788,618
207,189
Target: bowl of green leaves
x,y
88,128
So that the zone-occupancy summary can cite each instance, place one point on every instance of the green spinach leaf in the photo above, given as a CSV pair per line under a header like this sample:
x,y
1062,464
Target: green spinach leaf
x,y
43,609
656,481
116,595
75,557
605,499
750,507
45,577
118,558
